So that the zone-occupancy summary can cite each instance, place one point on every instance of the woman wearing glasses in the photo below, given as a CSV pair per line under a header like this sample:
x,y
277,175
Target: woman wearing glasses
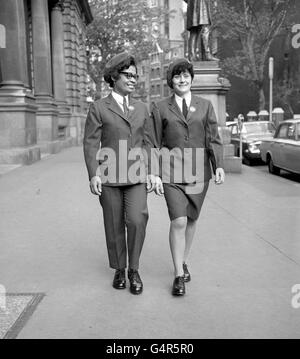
x,y
184,122
117,123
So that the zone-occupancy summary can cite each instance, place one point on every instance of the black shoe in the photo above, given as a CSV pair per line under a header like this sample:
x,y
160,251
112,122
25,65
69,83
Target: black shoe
x,y
178,287
136,284
187,275
120,279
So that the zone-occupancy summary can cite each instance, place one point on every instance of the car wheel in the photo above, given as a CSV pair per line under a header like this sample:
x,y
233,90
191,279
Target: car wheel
x,y
272,168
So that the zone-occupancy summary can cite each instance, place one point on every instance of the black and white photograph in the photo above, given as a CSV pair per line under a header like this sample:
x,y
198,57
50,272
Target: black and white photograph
x,y
149,172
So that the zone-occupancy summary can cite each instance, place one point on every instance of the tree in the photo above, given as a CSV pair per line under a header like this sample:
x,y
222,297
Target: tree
x,y
118,26
253,24
283,95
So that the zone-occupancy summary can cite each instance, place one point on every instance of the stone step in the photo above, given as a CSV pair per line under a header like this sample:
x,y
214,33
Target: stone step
x,y
54,147
20,155
7,168
29,155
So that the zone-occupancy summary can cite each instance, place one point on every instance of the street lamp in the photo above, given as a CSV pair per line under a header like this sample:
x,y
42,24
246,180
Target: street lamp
x,y
271,76
241,119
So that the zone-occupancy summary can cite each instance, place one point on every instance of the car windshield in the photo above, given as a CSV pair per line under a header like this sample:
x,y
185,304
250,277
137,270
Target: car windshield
x,y
256,127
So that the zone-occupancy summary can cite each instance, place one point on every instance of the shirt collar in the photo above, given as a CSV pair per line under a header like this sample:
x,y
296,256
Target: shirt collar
x,y
120,98
188,99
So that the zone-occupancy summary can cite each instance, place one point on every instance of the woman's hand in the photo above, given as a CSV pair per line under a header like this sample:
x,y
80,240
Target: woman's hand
x,y
154,183
220,176
96,186
151,183
159,188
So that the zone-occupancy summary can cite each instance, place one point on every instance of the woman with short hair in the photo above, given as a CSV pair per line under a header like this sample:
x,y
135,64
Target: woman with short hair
x,y
180,122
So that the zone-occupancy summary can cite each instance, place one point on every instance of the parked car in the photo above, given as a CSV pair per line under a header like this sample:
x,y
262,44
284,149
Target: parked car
x,y
252,135
283,151
228,123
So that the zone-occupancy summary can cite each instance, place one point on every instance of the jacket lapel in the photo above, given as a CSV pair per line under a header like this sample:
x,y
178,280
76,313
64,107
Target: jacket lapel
x,y
175,109
132,109
193,107
114,107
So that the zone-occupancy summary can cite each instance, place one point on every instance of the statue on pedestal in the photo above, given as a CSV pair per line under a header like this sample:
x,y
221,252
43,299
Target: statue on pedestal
x,y
199,26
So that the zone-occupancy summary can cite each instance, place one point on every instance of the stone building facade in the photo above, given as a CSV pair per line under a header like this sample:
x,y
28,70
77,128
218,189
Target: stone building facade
x,y
43,72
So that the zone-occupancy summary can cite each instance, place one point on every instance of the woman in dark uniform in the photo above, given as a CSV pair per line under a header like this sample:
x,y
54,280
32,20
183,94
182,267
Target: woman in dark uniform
x,y
115,121
184,121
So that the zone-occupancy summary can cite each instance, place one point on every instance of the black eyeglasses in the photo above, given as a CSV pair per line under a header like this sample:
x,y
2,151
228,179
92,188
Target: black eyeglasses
x,y
130,76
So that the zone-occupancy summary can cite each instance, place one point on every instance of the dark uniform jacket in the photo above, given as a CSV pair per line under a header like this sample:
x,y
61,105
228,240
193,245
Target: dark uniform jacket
x,y
170,130
107,125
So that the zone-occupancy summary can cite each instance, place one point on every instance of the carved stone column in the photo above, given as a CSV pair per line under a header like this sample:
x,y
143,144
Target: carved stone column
x,y
59,68
14,57
58,59
47,115
41,48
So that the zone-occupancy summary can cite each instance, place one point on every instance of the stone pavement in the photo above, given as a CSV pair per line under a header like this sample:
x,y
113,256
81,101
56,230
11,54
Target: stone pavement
x,y
245,260
7,168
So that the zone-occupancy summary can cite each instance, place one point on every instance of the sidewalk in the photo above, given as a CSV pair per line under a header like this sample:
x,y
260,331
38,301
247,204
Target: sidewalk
x,y
4,169
245,260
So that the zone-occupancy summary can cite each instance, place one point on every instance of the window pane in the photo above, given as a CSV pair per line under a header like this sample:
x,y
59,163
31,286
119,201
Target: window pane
x,y
291,132
255,127
298,131
282,133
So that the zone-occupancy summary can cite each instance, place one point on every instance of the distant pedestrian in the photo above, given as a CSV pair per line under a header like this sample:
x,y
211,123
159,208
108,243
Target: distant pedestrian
x,y
240,118
111,121
184,121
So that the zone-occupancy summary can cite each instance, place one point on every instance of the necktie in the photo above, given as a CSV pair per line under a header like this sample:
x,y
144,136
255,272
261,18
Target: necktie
x,y
184,108
126,110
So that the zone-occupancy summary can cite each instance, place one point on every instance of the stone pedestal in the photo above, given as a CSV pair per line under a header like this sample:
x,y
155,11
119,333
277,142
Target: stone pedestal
x,y
46,119
18,134
208,84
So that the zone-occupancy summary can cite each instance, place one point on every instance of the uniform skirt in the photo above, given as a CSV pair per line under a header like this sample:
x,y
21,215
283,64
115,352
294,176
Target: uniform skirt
x,y
185,200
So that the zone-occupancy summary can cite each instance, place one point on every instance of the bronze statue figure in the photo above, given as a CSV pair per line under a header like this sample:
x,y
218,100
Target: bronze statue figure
x,y
199,24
